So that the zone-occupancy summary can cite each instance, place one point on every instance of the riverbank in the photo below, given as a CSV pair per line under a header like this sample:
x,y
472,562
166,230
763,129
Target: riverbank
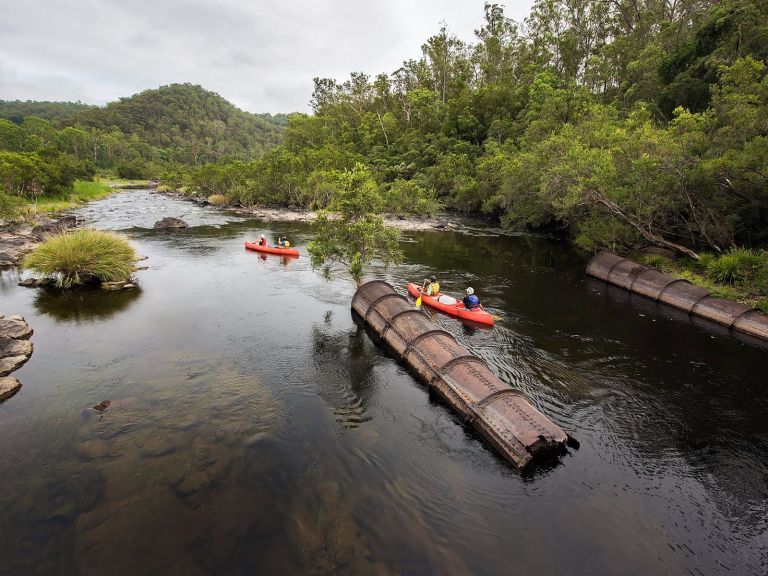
x,y
442,221
740,275
82,191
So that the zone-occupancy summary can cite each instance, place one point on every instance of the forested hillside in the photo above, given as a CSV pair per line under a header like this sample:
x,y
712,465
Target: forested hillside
x,y
144,136
17,110
619,122
187,122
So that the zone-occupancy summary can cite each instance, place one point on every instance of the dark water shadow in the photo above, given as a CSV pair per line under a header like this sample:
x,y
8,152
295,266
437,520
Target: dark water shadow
x,y
83,304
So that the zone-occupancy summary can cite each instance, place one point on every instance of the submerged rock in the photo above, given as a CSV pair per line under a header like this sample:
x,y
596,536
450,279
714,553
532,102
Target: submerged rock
x,y
36,282
170,223
117,285
103,405
8,387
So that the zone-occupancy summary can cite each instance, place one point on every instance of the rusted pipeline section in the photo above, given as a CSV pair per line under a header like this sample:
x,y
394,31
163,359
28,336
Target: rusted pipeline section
x,y
679,293
501,414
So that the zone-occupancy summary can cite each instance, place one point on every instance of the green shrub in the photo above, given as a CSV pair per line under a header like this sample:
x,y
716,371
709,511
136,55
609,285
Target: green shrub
x,y
11,207
83,256
736,265
217,199
135,170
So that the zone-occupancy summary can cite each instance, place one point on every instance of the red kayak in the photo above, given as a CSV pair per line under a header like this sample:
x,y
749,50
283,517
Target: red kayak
x,y
272,250
451,306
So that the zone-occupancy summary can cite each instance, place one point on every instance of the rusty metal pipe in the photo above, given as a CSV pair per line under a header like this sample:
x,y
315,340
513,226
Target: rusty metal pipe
x,y
502,415
677,292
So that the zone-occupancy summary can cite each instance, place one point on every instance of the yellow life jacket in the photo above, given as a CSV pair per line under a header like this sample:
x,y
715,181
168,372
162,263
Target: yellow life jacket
x,y
286,244
433,288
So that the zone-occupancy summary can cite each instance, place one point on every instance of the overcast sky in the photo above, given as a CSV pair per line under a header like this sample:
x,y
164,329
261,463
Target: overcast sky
x,y
259,54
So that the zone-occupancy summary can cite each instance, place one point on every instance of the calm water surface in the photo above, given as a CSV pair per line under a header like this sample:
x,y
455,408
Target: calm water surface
x,y
255,428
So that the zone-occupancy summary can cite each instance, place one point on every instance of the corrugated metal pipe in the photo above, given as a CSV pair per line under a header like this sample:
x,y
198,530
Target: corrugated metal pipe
x,y
501,414
677,292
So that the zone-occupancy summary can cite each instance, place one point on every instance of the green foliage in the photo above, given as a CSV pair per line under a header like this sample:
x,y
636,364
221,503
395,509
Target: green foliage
x,y
83,256
352,232
739,274
182,123
134,170
736,265
17,110
11,207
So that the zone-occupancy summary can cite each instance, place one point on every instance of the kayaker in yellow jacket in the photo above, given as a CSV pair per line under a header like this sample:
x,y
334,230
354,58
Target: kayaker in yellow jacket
x,y
431,287
283,243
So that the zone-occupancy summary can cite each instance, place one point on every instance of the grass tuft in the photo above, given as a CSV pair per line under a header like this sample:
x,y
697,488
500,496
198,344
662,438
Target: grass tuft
x,y
82,257
736,265
217,200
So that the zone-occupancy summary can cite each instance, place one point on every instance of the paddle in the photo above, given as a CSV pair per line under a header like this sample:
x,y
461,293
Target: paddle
x,y
418,301
494,316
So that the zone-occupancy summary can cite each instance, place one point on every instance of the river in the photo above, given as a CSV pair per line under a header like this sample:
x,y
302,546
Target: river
x,y
255,428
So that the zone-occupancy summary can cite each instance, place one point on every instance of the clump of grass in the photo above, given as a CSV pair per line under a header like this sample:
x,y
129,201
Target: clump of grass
x,y
736,265
217,199
82,257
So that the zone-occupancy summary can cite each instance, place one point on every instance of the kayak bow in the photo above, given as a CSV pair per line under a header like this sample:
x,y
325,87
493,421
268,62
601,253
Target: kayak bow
x,y
454,308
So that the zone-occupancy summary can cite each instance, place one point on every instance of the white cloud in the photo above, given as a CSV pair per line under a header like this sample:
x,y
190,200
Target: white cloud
x,y
260,54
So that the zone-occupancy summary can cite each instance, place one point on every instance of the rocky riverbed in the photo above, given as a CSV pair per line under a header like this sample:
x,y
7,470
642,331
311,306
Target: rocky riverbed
x,y
442,222
16,240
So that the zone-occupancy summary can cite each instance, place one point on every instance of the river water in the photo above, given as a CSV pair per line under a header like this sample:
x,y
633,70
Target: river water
x,y
256,429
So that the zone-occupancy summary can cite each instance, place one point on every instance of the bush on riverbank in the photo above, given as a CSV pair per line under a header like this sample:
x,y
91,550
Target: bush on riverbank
x,y
11,207
739,274
217,199
83,257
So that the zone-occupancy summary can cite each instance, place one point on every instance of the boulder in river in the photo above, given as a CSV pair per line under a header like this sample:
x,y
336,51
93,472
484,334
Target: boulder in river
x,y
15,327
13,347
170,223
8,387
11,364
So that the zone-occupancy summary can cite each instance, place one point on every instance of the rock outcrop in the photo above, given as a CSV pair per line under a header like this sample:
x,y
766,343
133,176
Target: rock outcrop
x,y
8,387
170,223
15,350
54,227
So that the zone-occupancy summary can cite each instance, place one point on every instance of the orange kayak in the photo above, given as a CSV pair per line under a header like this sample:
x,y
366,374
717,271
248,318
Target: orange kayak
x,y
272,250
453,306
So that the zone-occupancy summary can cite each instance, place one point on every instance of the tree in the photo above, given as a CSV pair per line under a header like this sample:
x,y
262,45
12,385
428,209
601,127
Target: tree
x,y
352,232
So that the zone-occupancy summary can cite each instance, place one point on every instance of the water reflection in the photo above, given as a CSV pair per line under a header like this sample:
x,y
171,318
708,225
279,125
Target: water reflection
x,y
83,305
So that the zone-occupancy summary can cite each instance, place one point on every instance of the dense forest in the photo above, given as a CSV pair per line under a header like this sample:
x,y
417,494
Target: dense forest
x,y
17,110
46,146
618,122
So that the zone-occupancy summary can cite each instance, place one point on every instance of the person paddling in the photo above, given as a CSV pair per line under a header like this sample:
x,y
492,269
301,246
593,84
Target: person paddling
x,y
471,301
283,243
262,240
431,287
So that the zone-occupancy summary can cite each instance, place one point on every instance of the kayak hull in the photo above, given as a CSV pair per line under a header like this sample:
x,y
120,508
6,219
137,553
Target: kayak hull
x,y
458,310
271,250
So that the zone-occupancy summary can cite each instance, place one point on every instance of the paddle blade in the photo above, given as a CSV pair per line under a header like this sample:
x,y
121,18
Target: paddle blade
x,y
418,302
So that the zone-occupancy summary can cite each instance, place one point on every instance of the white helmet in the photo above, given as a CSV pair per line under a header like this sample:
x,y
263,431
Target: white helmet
x,y
470,291
262,236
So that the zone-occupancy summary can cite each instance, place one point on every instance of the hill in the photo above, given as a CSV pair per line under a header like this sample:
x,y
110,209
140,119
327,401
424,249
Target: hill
x,y
191,124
